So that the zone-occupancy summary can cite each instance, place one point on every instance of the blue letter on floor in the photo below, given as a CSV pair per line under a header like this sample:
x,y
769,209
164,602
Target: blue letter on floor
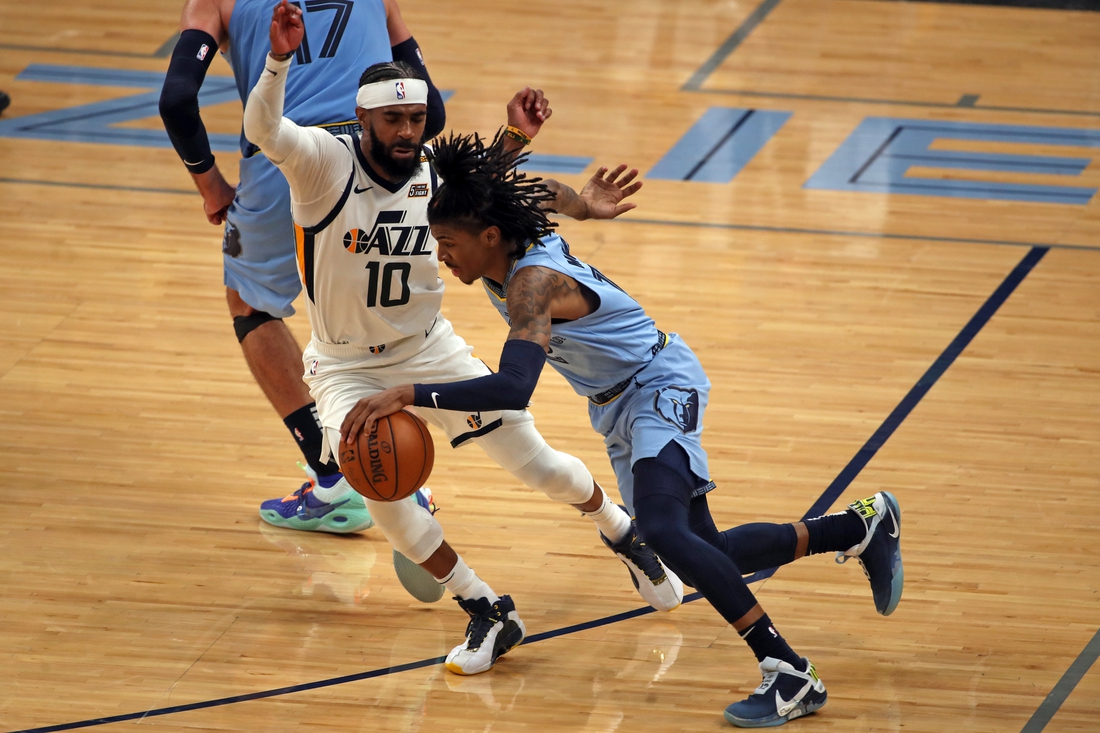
x,y
877,157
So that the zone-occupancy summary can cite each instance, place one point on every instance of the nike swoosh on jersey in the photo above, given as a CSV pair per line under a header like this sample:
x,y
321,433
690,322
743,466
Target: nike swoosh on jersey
x,y
362,190
305,512
435,401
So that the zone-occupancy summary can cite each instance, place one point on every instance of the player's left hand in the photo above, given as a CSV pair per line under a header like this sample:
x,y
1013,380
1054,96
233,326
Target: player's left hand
x,y
287,29
527,111
368,410
604,192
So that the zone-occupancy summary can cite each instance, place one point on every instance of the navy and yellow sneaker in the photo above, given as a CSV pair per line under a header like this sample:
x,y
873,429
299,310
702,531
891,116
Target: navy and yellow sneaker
x,y
494,630
785,694
656,584
880,551
302,510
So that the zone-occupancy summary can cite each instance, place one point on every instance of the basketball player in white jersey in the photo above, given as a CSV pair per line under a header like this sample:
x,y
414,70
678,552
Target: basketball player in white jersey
x,y
367,260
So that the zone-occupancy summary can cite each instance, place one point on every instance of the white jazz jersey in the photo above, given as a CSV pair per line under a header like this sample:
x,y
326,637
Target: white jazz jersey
x,y
368,266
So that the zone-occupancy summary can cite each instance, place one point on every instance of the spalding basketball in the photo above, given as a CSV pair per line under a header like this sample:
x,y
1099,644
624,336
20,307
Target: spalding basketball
x,y
393,461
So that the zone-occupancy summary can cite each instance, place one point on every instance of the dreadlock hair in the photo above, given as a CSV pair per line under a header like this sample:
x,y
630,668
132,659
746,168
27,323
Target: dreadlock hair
x,y
481,187
388,71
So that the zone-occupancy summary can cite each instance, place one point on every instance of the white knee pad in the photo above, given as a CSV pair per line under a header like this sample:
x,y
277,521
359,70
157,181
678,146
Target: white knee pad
x,y
521,451
410,528
559,475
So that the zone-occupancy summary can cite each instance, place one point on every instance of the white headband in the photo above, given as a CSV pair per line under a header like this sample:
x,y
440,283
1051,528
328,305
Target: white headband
x,y
394,91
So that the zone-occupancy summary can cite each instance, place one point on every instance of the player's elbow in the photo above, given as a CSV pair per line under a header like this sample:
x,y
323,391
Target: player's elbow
x,y
179,106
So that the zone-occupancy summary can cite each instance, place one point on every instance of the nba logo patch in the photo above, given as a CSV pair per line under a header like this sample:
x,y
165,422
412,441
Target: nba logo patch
x,y
400,87
203,50
313,367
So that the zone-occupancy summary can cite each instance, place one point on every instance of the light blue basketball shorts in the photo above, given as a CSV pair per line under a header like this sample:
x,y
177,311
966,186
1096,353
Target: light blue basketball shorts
x,y
664,402
258,244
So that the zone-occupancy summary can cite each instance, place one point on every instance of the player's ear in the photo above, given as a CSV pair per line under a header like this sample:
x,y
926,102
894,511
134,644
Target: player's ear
x,y
363,116
490,236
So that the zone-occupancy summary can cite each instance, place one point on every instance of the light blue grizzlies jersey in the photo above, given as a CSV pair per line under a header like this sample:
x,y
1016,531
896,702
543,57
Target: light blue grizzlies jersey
x,y
602,349
343,38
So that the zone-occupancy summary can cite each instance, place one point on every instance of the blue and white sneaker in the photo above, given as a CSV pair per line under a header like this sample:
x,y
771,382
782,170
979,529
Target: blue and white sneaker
x,y
880,551
420,584
304,511
785,694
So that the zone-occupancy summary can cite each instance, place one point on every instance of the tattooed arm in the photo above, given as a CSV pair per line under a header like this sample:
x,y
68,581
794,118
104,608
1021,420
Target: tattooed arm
x,y
599,199
534,293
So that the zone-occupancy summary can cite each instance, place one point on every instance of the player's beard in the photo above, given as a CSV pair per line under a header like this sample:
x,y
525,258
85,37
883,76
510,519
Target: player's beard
x,y
391,166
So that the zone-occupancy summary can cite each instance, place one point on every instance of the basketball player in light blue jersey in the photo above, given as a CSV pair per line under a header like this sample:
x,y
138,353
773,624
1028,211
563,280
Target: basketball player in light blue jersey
x,y
647,394
342,38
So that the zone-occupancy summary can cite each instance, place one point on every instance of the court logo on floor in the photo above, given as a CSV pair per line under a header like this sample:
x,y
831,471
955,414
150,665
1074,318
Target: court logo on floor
x,y
679,407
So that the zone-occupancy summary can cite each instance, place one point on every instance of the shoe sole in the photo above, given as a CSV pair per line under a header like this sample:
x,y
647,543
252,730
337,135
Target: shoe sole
x,y
416,580
324,524
798,712
897,582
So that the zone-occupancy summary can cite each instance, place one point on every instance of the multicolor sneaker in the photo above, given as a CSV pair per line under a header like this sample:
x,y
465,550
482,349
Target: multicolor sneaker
x,y
655,583
494,630
880,551
795,694
420,584
304,511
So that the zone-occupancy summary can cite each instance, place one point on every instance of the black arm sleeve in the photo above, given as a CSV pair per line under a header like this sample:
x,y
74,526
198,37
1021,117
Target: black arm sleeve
x,y
409,52
179,99
509,389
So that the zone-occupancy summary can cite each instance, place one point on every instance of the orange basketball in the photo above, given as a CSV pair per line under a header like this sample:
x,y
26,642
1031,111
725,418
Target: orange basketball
x,y
393,461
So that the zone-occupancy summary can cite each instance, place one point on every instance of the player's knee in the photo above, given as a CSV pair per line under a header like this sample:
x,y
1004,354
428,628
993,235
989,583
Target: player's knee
x,y
410,529
244,325
559,475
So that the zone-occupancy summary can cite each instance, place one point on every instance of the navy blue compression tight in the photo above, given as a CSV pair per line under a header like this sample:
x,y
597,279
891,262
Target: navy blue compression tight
x,y
680,529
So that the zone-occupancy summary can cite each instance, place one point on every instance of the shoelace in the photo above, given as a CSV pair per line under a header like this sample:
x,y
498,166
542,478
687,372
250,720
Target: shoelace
x,y
769,680
647,561
479,626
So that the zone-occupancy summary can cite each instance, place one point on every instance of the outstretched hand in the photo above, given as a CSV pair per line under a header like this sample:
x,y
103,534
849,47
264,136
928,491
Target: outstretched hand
x,y
604,192
368,410
527,110
287,29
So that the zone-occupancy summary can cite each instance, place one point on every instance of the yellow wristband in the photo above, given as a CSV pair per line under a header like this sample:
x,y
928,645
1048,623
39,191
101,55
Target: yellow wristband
x,y
518,135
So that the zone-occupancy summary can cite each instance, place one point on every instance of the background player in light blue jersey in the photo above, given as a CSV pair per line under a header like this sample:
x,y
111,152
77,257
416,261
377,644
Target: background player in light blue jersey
x,y
647,395
342,38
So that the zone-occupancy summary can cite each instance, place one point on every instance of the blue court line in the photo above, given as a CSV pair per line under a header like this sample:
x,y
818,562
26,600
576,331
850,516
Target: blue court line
x,y
919,390
729,46
850,233
82,51
901,102
661,222
69,184
1062,690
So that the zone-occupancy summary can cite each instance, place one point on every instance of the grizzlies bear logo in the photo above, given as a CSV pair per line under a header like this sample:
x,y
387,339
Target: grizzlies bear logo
x,y
679,407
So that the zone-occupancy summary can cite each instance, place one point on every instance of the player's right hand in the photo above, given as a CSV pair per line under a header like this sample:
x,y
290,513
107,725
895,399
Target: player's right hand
x,y
287,28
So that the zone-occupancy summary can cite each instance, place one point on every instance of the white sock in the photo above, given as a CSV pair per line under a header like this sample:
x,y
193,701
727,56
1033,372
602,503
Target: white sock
x,y
612,521
334,493
464,583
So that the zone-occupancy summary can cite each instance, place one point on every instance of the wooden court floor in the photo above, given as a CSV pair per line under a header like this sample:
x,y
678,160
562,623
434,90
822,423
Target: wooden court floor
x,y
933,336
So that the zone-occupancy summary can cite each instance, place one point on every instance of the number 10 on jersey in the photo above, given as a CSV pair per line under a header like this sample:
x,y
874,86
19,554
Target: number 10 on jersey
x,y
382,293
